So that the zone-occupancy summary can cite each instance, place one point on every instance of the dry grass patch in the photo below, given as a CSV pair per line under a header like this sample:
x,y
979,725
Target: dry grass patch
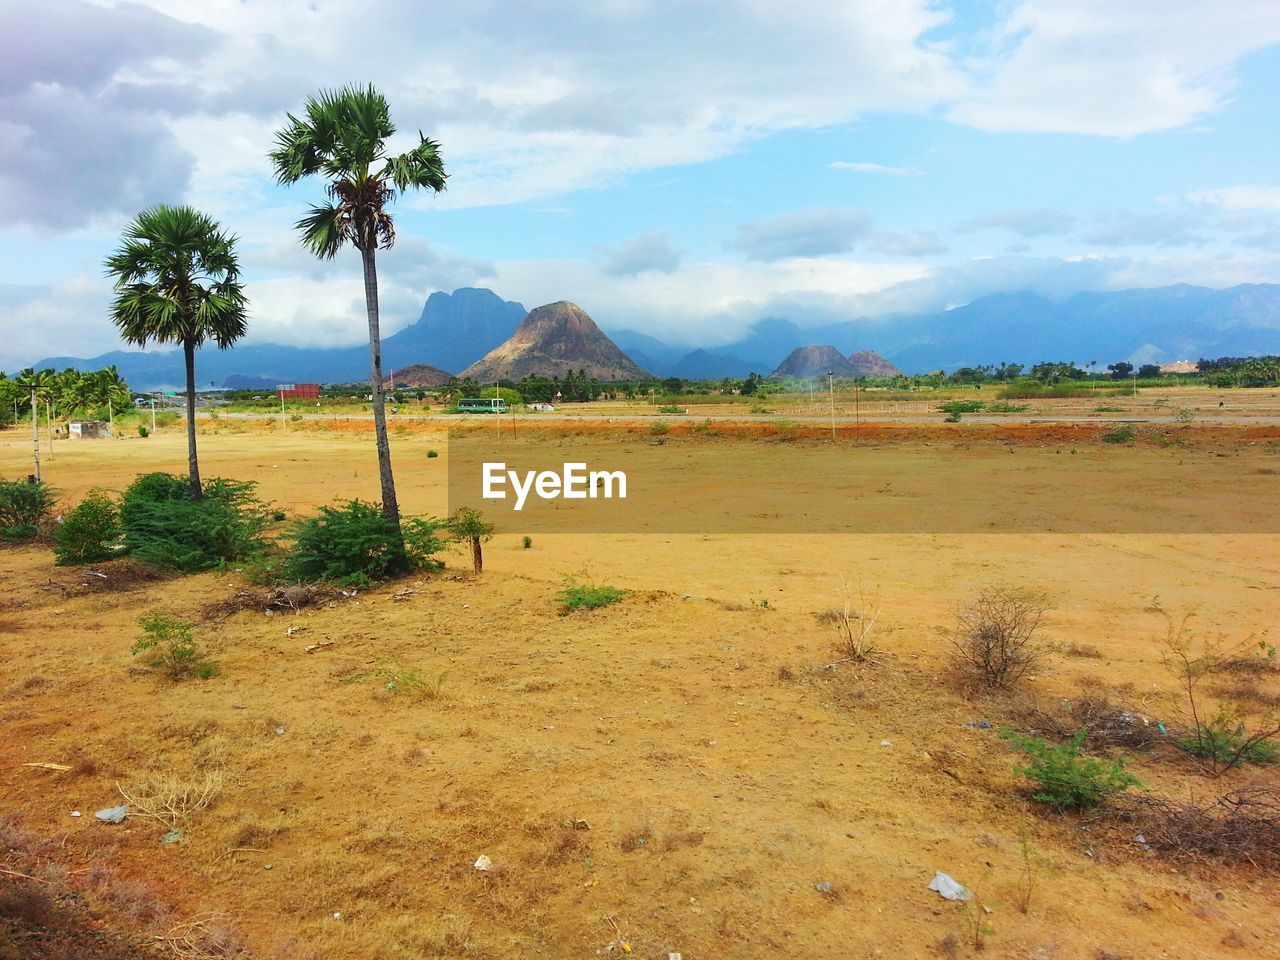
x,y
170,799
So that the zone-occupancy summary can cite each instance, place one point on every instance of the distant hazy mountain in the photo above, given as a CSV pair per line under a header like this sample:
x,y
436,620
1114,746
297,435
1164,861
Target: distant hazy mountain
x,y
1145,326
552,340
454,330
1157,325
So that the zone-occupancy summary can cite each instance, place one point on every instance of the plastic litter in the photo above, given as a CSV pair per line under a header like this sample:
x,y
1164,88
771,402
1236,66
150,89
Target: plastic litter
x,y
886,743
948,888
483,863
113,814
173,836
823,887
75,813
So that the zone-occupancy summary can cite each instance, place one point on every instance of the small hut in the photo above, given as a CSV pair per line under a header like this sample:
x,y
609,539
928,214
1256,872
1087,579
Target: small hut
x,y
88,430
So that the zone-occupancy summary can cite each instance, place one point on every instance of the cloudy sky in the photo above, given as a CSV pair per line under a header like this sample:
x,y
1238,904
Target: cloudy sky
x,y
681,167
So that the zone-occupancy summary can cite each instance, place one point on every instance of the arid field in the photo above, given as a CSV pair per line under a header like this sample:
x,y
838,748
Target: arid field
x,y
696,770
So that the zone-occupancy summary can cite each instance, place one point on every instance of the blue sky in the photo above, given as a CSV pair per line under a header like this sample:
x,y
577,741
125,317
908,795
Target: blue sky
x,y
678,168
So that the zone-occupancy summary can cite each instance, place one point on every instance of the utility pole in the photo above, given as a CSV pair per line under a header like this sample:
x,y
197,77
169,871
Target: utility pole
x,y
857,407
831,389
35,433
1135,384
48,420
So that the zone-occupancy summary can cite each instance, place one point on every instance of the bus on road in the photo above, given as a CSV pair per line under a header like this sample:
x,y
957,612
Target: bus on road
x,y
482,405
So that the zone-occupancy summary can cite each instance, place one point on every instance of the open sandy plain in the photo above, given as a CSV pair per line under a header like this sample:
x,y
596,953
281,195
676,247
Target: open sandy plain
x,y
673,774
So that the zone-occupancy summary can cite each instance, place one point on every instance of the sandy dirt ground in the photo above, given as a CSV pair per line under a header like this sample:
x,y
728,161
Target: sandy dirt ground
x,y
673,774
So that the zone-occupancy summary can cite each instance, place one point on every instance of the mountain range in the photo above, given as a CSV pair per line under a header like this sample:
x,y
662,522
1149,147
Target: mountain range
x,y
456,330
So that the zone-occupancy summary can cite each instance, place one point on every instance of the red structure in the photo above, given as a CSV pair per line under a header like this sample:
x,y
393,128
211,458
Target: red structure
x,y
298,391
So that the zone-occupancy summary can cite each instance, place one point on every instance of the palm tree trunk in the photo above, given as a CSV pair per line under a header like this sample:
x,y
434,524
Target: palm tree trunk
x,y
193,465
390,506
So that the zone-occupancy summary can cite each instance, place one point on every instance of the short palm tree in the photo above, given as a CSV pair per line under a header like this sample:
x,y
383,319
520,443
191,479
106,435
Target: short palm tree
x,y
178,281
342,137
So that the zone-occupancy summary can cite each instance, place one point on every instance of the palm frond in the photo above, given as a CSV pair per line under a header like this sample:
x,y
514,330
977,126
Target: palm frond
x,y
324,230
421,168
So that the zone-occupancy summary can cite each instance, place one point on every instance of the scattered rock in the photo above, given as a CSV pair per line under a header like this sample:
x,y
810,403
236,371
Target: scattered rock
x,y
483,863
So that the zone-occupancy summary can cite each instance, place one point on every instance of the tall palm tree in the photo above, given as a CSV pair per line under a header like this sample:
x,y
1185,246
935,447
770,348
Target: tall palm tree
x,y
178,281
342,137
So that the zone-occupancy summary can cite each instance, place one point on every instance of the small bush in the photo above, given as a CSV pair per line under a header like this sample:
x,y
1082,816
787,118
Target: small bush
x,y
399,679
659,428
581,593
1226,742
995,639
957,407
90,532
165,527
671,408
432,454
24,509
1002,406
143,431
354,545
1068,781
173,647
1118,435
526,542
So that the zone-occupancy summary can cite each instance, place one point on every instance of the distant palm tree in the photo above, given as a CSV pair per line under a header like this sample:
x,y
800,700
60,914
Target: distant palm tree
x,y
343,138
178,281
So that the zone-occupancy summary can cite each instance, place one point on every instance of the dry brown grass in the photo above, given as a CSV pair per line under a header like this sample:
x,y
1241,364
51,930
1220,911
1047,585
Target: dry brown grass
x,y
172,799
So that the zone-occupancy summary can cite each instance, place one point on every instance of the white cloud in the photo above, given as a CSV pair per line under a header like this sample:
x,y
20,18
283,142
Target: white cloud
x,y
1025,223
647,252
874,168
702,303
1256,197
1112,69
803,233
916,243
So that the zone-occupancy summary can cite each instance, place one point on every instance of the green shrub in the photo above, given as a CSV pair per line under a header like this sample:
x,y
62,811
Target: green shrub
x,y
90,532
173,647
165,527
1003,407
24,509
1066,780
659,428
526,542
432,454
353,544
1118,435
143,431
960,406
671,408
581,593
1225,741
400,679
